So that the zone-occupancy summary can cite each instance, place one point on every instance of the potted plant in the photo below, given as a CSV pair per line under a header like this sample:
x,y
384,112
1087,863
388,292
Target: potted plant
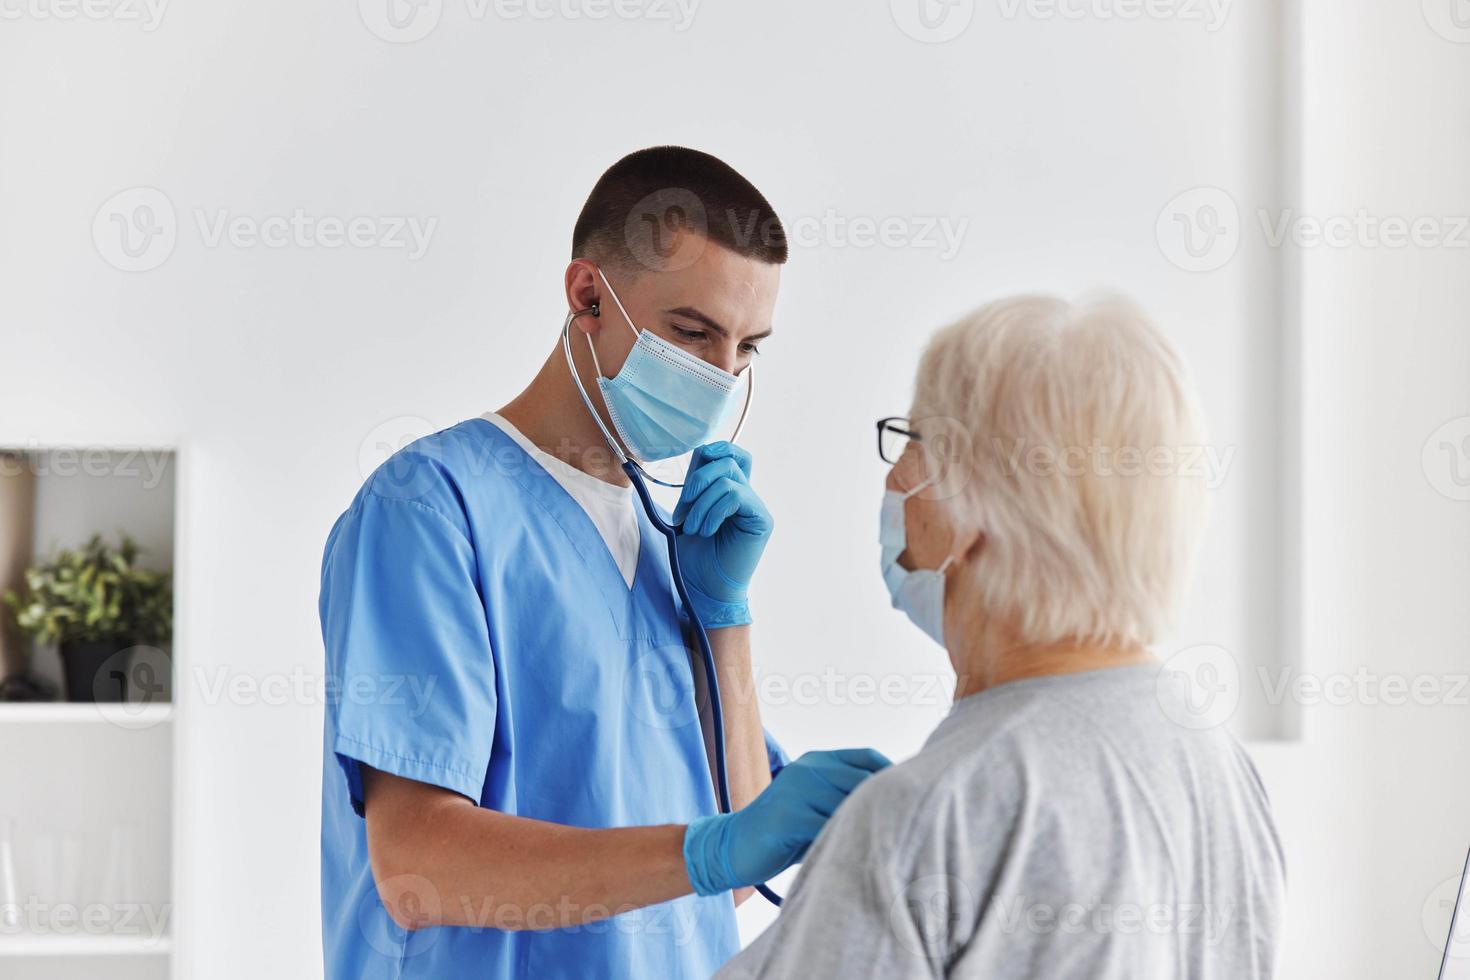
x,y
93,603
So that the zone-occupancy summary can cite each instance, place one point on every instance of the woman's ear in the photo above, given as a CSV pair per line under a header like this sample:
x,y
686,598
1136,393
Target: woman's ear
x,y
972,548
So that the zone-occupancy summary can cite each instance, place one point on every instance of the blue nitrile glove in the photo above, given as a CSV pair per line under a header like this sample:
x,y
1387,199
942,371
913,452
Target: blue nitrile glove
x,y
725,529
759,841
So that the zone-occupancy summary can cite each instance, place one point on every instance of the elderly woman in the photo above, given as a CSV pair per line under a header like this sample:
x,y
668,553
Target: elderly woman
x,y
1038,523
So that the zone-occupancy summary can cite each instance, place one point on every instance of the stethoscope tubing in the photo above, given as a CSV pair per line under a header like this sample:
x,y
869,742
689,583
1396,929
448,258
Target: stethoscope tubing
x,y
706,652
636,473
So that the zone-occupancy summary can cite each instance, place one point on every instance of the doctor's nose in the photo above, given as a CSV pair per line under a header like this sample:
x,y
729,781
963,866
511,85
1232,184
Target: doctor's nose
x,y
728,357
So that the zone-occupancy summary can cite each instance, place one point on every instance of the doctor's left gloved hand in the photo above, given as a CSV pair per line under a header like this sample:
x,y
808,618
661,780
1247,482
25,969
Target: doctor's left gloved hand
x,y
725,529
773,832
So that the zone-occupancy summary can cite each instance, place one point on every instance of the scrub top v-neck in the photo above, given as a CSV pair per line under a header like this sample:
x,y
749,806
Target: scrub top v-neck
x,y
611,508
480,637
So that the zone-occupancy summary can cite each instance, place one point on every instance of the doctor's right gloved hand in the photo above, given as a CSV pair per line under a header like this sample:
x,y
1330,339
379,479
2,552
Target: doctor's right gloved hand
x,y
724,529
773,832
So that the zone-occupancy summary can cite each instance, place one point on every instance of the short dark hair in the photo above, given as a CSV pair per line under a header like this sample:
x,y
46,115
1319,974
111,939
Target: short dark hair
x,y
654,193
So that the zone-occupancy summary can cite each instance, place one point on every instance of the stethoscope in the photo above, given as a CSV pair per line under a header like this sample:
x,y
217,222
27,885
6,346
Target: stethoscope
x,y
637,474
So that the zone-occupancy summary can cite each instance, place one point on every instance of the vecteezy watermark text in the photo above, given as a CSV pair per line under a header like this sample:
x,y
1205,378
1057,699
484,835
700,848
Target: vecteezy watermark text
x,y
302,230
940,233
137,229
1018,914
1202,462
1211,13
407,21
1201,229
147,14
68,461
412,903
1201,687
300,686
33,915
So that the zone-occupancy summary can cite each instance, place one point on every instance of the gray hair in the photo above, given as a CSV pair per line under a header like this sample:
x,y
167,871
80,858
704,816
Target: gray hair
x,y
1066,433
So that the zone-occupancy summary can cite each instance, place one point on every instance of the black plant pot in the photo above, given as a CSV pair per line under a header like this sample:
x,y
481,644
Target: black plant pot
x,y
89,676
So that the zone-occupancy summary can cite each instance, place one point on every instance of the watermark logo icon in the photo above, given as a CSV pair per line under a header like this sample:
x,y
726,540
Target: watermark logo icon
x,y
1450,19
655,229
416,904
128,684
1446,459
1437,916
136,229
932,21
929,911
659,690
401,21
379,445
1199,687
1199,230
401,477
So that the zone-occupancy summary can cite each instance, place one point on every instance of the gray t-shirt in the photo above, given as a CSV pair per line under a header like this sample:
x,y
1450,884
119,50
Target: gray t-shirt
x,y
1057,827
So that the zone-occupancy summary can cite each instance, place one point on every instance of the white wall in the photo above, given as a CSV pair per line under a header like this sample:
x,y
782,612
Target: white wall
x,y
1057,141
1377,806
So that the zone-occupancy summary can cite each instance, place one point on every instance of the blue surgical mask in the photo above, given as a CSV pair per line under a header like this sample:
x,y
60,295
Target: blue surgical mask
x,y
919,594
664,401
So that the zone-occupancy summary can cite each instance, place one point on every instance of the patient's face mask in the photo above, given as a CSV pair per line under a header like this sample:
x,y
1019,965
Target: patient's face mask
x,y
664,401
919,594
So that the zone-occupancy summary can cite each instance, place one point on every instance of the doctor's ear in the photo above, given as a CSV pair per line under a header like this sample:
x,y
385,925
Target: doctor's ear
x,y
584,294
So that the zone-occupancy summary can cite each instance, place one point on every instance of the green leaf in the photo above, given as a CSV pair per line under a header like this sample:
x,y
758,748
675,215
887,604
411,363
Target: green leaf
x,y
95,592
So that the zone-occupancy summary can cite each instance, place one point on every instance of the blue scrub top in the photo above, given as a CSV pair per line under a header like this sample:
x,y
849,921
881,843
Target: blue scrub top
x,y
480,637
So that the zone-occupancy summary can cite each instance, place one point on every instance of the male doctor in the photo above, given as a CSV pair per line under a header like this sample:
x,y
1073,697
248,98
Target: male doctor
x,y
547,810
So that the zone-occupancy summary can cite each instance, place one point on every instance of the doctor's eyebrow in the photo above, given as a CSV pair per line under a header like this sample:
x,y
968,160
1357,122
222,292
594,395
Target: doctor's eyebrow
x,y
691,313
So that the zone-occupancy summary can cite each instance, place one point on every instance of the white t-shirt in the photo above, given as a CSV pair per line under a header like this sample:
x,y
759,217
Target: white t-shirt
x,y
610,507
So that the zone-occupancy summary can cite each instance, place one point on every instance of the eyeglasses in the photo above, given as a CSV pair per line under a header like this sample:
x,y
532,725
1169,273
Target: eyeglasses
x,y
894,435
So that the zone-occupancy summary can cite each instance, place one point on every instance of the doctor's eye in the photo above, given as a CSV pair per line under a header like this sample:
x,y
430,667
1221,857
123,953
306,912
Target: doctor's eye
x,y
689,336
749,348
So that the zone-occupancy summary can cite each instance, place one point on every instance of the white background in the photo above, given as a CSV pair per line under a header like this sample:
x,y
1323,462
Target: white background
x,y
1057,142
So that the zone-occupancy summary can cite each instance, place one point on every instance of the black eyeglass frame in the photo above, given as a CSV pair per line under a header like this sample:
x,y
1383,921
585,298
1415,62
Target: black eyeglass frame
x,y
889,424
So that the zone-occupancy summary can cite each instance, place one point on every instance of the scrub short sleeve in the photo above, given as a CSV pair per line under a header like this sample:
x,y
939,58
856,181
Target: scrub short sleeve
x,y
775,755
408,648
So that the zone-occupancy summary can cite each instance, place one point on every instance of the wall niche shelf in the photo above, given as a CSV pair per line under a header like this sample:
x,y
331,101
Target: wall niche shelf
x,y
87,848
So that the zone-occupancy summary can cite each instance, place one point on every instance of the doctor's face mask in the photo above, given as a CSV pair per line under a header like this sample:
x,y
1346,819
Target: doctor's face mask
x,y
664,401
